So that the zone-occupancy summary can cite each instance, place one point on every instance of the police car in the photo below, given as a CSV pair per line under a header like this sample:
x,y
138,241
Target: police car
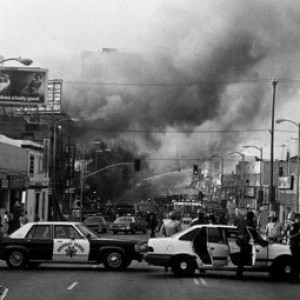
x,y
66,242
217,250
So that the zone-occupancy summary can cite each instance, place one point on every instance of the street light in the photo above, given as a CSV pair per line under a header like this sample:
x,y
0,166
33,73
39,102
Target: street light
x,y
260,167
24,61
242,171
298,164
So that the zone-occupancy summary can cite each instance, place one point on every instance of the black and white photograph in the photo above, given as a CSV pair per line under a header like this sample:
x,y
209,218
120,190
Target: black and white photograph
x,y
149,149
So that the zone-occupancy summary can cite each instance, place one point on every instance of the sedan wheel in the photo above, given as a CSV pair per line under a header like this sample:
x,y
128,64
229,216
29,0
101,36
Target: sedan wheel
x,y
114,260
183,266
16,259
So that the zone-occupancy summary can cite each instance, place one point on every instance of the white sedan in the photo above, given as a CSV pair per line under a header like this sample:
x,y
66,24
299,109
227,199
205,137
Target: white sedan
x,y
216,249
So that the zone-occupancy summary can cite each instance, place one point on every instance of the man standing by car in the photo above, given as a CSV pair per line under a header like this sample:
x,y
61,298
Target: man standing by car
x,y
295,248
243,243
201,219
171,226
152,222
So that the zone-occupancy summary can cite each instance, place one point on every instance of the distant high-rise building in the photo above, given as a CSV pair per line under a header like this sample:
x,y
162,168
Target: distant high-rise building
x,y
111,66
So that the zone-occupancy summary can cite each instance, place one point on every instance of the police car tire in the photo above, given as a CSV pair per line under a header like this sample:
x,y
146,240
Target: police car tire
x,y
183,266
16,259
282,267
114,260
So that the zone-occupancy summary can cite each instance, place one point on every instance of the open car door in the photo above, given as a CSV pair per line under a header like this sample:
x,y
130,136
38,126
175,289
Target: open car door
x,y
253,238
200,245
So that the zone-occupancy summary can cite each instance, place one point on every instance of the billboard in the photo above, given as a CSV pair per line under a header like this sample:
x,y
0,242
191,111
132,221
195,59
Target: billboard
x,y
52,103
23,86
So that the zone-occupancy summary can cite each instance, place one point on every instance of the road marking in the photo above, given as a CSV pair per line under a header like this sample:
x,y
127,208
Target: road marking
x,y
4,293
200,281
72,285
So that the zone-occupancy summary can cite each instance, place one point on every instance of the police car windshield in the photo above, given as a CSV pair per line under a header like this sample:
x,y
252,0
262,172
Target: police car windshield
x,y
87,232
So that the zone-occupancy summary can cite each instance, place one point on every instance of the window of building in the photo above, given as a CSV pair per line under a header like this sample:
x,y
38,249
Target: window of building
x,y
31,165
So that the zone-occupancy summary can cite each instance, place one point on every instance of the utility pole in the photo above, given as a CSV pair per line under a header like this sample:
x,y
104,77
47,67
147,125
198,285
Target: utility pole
x,y
271,195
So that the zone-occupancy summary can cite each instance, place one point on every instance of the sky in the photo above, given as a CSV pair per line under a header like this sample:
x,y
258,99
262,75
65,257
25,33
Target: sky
x,y
219,58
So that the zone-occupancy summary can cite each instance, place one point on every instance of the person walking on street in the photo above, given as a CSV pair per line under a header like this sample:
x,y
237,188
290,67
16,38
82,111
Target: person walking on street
x,y
201,219
152,222
295,249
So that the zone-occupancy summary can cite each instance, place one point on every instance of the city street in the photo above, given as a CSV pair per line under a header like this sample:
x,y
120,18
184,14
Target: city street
x,y
120,117
140,281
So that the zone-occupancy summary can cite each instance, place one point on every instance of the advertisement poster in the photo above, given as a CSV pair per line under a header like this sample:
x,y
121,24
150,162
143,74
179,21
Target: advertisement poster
x,y
23,86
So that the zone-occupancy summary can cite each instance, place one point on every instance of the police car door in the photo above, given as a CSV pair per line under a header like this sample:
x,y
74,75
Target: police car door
x,y
251,232
201,248
217,246
69,245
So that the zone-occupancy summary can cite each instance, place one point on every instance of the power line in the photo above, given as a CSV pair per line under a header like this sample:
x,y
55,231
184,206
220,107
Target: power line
x,y
172,132
166,84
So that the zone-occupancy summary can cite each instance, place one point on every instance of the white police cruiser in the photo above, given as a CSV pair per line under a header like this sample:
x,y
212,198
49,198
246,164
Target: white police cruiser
x,y
218,250
66,242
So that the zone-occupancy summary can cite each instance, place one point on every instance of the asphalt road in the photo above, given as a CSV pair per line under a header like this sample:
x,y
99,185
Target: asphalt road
x,y
140,281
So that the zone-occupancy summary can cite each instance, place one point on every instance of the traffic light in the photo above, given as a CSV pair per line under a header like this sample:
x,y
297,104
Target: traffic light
x,y
280,171
137,165
195,169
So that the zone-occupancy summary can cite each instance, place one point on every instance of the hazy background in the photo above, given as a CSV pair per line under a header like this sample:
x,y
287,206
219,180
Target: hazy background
x,y
204,82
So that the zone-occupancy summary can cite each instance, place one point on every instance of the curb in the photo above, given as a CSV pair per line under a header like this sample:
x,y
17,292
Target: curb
x,y
3,292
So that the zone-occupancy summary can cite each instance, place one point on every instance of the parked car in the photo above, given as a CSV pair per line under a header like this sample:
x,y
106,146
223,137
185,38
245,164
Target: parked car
x,y
96,223
129,224
67,242
220,251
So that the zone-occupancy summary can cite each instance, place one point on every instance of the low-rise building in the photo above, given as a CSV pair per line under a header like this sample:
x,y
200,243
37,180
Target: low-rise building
x,y
24,182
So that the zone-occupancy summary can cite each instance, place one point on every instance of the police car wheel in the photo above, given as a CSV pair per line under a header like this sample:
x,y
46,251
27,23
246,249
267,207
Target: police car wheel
x,y
114,260
184,266
16,259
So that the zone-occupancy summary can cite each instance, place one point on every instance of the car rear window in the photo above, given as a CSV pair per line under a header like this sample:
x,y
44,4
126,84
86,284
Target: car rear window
x,y
125,219
39,232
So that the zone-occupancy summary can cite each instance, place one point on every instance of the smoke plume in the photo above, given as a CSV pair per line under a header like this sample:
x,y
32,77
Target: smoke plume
x,y
198,82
